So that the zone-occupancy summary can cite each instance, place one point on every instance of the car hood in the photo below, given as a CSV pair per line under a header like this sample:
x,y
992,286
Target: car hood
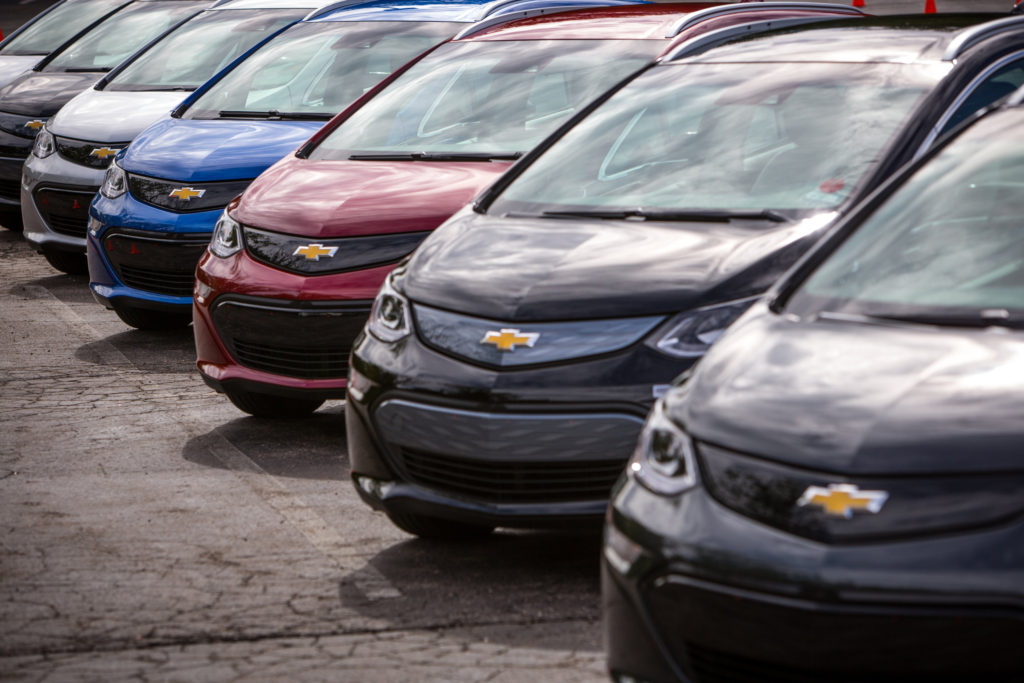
x,y
12,66
208,151
106,116
349,198
39,93
552,269
858,398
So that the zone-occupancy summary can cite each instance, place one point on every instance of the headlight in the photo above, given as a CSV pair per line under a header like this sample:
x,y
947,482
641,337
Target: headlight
x,y
690,334
44,145
389,317
227,237
115,182
664,459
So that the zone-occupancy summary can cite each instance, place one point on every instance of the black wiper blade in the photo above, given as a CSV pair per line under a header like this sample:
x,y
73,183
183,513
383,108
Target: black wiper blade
x,y
87,69
434,156
641,214
987,318
273,115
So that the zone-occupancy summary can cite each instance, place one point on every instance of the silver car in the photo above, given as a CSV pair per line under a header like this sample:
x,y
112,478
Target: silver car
x,y
73,151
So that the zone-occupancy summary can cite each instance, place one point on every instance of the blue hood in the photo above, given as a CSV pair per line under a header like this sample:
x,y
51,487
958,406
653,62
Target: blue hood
x,y
211,150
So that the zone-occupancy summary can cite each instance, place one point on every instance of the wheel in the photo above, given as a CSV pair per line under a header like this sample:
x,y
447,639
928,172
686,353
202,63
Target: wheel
x,y
11,219
436,527
148,319
67,262
269,405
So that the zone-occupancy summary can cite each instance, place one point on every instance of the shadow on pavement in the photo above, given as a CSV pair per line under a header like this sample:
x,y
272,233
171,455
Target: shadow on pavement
x,y
170,351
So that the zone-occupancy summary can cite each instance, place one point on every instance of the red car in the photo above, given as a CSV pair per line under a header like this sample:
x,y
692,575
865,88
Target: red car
x,y
295,263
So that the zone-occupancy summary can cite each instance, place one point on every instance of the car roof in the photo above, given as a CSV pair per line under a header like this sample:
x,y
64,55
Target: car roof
x,y
465,11
894,39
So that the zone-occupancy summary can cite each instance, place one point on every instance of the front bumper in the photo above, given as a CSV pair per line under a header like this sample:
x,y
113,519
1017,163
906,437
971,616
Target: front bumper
x,y
14,150
707,595
528,447
67,189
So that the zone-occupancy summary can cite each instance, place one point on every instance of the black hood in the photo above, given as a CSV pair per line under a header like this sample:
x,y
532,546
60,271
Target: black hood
x,y
529,269
38,93
858,398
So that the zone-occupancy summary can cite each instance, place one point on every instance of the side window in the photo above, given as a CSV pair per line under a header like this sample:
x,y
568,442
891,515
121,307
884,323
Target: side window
x,y
993,87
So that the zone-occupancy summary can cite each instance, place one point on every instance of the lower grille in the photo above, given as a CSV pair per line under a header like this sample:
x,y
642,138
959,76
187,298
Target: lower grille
x,y
65,211
10,189
300,339
512,482
154,262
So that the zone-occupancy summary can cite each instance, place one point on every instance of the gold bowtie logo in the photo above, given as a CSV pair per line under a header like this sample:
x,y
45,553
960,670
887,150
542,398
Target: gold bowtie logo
x,y
313,252
842,500
507,339
35,125
187,193
104,152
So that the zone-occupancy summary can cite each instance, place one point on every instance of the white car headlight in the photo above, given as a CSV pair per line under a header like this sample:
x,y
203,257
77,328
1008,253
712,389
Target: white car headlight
x,y
690,334
389,317
44,144
115,182
664,460
227,237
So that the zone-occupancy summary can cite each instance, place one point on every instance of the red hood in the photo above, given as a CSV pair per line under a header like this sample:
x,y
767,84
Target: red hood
x,y
351,198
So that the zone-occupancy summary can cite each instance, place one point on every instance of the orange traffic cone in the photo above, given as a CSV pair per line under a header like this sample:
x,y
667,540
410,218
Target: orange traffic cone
x,y
929,7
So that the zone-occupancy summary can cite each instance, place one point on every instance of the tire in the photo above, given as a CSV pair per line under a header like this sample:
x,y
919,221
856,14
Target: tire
x,y
148,319
268,405
438,528
11,219
68,262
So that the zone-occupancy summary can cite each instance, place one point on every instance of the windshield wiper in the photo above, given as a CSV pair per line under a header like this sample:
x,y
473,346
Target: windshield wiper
x,y
273,115
641,214
980,319
87,69
435,156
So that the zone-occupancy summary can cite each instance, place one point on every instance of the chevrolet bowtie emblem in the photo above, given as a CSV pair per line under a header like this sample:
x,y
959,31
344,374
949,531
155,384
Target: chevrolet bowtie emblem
x,y
507,339
104,152
841,500
313,252
187,193
35,125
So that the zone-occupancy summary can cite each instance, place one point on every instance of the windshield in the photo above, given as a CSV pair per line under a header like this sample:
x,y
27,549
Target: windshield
x,y
947,247
317,68
489,98
724,137
117,38
193,53
47,34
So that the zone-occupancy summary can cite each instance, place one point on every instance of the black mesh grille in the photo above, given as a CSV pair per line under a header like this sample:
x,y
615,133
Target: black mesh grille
x,y
10,189
184,197
157,281
154,262
301,339
91,154
512,481
65,211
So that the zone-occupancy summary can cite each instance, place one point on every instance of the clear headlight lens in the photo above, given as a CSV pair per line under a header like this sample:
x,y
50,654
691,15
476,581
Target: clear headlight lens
x,y
227,237
389,317
664,460
690,334
44,144
115,182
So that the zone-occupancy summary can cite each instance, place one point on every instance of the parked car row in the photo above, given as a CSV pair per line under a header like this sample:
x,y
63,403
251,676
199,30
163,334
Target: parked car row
x,y
513,236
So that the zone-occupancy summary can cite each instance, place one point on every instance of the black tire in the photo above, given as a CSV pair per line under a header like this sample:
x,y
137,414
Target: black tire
x,y
149,319
438,528
269,405
11,219
67,262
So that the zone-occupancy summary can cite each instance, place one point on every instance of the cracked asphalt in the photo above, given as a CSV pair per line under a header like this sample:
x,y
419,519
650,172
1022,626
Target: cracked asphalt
x,y
151,531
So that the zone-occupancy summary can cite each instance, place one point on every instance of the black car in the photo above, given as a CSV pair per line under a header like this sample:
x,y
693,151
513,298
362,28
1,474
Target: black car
x,y
30,99
836,492
507,366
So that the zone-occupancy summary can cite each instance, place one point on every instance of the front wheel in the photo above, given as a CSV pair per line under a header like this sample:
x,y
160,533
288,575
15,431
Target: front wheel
x,y
149,319
269,405
67,262
437,528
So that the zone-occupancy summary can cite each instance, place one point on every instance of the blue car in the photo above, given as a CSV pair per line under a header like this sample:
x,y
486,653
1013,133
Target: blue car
x,y
162,196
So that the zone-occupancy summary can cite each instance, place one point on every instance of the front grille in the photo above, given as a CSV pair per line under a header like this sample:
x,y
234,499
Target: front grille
x,y
512,481
15,151
65,211
184,197
162,263
91,154
301,339
10,189
321,256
